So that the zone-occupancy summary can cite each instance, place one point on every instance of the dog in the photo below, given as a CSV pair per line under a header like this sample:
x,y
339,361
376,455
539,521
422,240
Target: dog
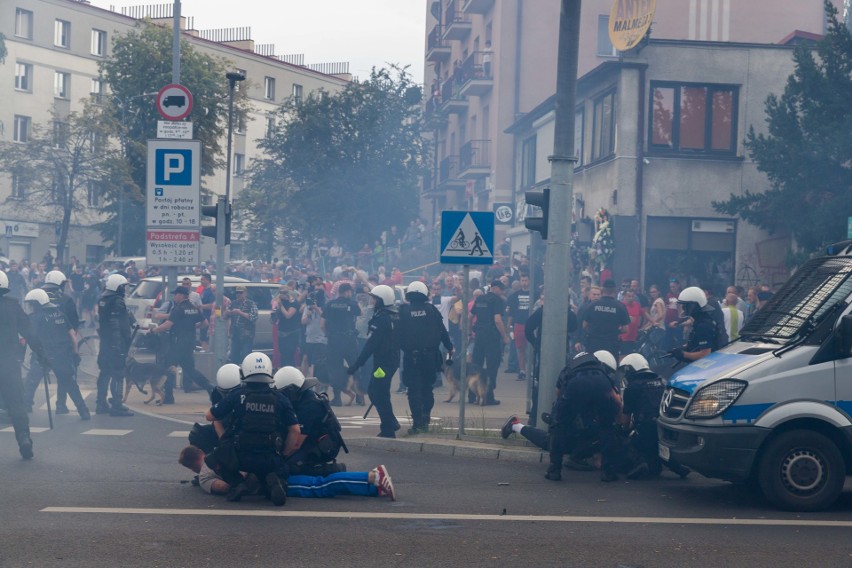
x,y
475,382
138,374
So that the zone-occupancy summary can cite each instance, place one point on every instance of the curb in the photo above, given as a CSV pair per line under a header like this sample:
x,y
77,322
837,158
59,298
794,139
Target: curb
x,y
448,448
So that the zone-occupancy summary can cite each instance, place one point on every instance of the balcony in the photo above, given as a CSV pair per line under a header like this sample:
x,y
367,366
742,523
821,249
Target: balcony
x,y
436,48
457,24
475,159
478,6
432,116
476,74
451,99
448,174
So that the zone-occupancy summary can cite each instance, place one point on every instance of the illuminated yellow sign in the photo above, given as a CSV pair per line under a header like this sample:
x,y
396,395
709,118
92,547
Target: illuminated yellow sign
x,y
629,21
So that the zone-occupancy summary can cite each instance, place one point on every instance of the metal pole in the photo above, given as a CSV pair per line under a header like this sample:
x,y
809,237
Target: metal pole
x,y
219,338
465,321
171,272
231,83
554,336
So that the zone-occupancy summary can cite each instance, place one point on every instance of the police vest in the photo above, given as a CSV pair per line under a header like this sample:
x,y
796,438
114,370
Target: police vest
x,y
651,390
421,329
258,426
53,329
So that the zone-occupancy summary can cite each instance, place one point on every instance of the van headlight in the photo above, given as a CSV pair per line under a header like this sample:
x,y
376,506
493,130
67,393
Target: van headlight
x,y
715,399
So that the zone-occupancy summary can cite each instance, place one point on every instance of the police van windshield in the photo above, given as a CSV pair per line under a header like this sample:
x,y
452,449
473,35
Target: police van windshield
x,y
810,293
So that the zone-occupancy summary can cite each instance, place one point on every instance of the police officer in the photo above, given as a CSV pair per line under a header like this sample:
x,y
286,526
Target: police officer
x,y
383,347
206,437
320,440
587,396
13,325
182,322
54,285
421,331
491,336
259,418
702,335
115,335
604,320
60,344
339,320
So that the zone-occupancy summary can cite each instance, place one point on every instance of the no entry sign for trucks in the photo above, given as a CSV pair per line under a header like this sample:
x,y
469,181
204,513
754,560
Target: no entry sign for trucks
x,y
174,102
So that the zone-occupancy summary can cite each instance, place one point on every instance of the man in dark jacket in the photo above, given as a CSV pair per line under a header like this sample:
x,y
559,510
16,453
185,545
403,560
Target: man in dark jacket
x,y
115,334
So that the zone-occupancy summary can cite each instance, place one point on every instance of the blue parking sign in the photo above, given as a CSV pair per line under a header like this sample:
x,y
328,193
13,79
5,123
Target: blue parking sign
x,y
173,167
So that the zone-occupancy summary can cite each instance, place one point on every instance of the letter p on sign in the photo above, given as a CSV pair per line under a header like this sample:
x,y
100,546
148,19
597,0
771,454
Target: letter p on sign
x,y
174,167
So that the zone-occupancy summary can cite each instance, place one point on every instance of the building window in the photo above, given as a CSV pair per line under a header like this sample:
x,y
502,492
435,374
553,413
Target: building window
x,y
270,126
239,164
23,77
60,134
22,128
62,34
58,190
93,194
528,163
23,23
19,186
605,47
297,92
579,124
694,118
99,43
603,127
61,85
269,88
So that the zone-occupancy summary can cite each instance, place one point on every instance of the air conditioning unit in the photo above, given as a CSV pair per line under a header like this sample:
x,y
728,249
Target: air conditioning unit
x,y
710,226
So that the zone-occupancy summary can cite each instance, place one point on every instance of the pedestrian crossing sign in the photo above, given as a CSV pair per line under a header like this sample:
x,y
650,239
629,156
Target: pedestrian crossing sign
x,y
467,237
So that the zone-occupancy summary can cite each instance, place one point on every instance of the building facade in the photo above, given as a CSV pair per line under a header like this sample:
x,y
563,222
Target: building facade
x,y
54,47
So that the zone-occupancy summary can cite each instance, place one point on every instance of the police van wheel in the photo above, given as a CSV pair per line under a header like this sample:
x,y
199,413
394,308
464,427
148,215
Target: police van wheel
x,y
802,470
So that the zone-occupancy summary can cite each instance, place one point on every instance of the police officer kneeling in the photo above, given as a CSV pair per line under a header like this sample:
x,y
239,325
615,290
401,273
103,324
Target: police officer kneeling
x,y
259,420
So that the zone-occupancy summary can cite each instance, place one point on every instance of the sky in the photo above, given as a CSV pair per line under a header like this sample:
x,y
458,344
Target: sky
x,y
366,33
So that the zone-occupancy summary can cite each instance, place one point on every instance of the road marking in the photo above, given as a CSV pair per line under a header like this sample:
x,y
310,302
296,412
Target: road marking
x,y
450,517
33,429
106,432
179,434
143,412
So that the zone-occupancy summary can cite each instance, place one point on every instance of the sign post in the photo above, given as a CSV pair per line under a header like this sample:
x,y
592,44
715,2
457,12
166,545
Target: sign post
x,y
467,237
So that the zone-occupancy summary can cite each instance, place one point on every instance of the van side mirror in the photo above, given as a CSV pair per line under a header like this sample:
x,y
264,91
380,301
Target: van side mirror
x,y
844,335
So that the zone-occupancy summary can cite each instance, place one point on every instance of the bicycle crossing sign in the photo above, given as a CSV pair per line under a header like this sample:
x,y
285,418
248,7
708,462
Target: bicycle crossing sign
x,y
467,237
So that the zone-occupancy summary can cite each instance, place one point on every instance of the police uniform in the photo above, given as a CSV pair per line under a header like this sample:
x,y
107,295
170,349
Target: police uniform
x,y
318,452
184,317
54,331
69,308
703,333
642,401
604,317
421,331
13,325
115,334
488,346
383,347
339,315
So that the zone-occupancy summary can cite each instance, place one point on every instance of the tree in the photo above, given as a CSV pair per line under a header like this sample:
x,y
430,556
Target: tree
x,y
807,152
342,165
140,64
60,173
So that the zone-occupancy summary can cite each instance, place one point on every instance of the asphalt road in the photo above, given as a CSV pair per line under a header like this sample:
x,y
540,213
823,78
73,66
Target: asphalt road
x,y
119,498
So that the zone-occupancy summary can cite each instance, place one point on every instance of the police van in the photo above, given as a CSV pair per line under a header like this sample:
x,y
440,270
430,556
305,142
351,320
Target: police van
x,y
774,408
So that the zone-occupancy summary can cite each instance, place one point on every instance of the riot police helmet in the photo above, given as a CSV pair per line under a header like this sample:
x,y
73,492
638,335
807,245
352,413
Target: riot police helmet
x,y
692,295
634,363
607,359
228,377
289,377
257,368
55,277
4,283
417,292
384,296
37,296
114,282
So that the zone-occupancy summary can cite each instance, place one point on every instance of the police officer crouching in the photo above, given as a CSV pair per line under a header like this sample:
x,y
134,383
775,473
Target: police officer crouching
x,y
320,439
259,420
421,331
228,377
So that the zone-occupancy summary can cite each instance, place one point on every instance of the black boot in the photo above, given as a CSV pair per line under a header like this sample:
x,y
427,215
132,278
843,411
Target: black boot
x,y
101,407
26,449
554,472
277,492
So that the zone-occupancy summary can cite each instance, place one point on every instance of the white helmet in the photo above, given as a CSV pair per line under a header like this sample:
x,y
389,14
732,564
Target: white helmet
x,y
228,377
55,277
693,294
257,368
384,294
37,295
417,287
633,363
4,282
606,358
289,377
114,282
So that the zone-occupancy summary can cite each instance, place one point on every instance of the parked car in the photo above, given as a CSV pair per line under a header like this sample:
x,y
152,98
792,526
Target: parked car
x,y
141,301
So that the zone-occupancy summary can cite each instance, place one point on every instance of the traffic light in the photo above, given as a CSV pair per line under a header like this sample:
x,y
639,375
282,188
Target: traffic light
x,y
213,211
539,199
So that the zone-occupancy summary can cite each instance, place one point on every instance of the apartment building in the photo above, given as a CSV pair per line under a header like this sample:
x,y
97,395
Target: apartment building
x,y
492,67
54,47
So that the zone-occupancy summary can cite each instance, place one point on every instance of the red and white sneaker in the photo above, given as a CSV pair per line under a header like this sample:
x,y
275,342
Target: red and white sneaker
x,y
384,482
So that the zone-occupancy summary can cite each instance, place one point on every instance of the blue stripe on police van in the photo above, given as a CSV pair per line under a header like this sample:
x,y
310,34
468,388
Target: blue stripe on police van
x,y
747,413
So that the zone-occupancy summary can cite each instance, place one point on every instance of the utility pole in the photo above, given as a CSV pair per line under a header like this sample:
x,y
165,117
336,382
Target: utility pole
x,y
171,271
557,265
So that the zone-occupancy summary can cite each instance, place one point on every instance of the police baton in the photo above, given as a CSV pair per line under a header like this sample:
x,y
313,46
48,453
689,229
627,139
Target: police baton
x,y
369,408
45,374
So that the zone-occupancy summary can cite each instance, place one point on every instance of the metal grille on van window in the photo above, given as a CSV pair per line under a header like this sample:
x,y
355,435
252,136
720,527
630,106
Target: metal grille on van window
x,y
674,402
810,292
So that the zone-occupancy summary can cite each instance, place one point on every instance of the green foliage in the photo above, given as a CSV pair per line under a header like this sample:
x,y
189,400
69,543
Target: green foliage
x,y
140,63
807,152
342,165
